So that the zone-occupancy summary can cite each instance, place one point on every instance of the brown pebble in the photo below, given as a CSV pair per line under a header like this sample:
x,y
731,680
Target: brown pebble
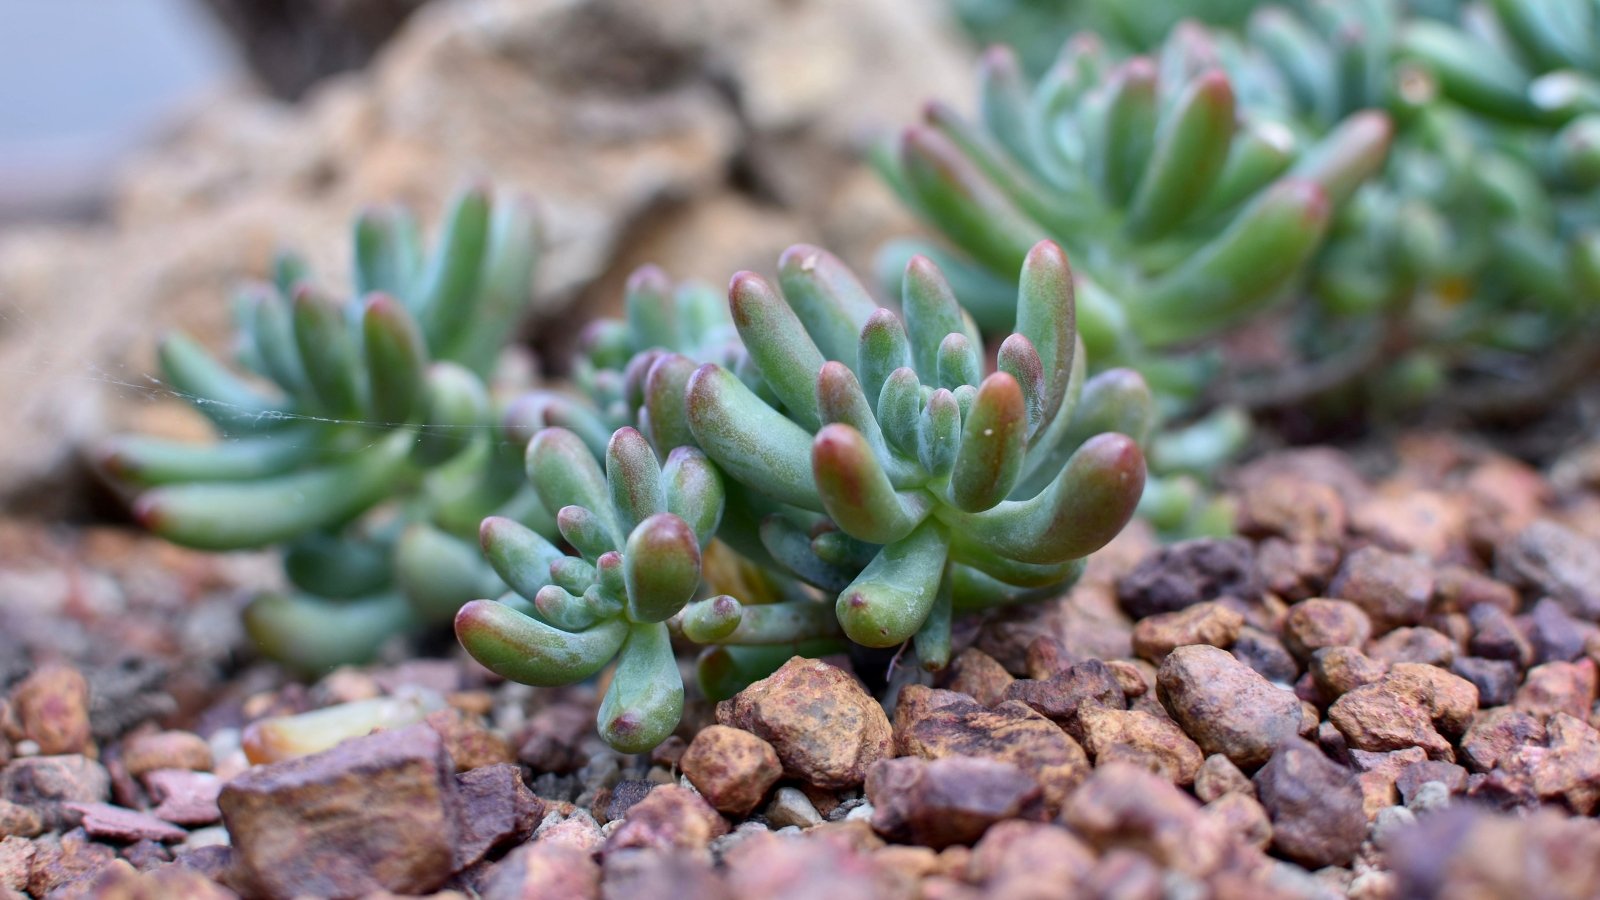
x,y
1153,742
1217,776
125,825
947,801
1225,706
1028,859
1319,622
1010,732
1314,804
468,742
1242,816
1391,714
670,817
825,727
1393,589
1496,734
1211,623
51,706
732,769
1414,645
1558,687
1338,670
166,750
979,676
1122,805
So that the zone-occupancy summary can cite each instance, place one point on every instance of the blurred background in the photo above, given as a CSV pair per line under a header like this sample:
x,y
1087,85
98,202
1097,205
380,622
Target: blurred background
x,y
155,152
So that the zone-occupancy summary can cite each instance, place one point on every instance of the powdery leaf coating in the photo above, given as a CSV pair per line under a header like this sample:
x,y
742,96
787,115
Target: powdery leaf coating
x,y
732,769
827,730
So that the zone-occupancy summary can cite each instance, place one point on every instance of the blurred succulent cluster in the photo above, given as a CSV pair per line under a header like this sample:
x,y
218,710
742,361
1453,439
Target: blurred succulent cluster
x,y
1466,255
860,477
358,434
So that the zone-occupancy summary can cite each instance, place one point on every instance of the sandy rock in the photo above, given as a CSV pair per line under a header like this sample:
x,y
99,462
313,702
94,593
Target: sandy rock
x,y
18,820
670,817
1555,635
1295,571
1496,734
1338,670
1393,589
765,865
1029,859
941,802
1135,678
1558,687
1495,679
791,806
543,871
732,769
1315,806
46,779
1266,654
1466,852
825,727
1459,589
552,741
71,859
1120,805
51,708
979,676
1242,816
496,809
184,797
374,813
1144,739
16,861
1225,706
1414,645
468,742
1189,572
1209,623
1318,622
1407,520
1495,635
577,830
1011,732
166,750
1063,696
1551,559
1288,507
102,820
1414,776
1217,776
660,873
1391,714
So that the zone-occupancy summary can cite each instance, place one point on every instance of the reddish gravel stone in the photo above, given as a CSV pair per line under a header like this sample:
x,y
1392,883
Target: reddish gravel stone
x,y
1391,588
1011,732
1189,572
1121,805
1289,507
1150,741
825,727
669,817
1338,670
46,779
1390,714
1062,697
544,871
373,813
124,825
1217,776
732,769
553,739
1225,706
1414,645
1208,623
184,797
1027,859
51,707
979,676
166,750
1551,559
1558,687
1314,805
1498,733
1318,622
1242,816
495,809
941,802
1466,852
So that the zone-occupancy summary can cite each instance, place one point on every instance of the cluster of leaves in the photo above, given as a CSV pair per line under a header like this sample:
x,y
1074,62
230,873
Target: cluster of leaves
x,y
359,435
1470,249
871,478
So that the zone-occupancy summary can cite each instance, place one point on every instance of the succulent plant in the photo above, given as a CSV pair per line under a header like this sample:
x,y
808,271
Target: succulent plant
x,y
639,529
885,468
361,436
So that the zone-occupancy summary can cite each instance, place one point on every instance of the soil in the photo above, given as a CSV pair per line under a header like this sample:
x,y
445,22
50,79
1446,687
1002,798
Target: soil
x,y
1385,687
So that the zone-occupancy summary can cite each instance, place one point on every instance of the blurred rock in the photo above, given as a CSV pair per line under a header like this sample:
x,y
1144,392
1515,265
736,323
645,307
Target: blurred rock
x,y
825,727
698,135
